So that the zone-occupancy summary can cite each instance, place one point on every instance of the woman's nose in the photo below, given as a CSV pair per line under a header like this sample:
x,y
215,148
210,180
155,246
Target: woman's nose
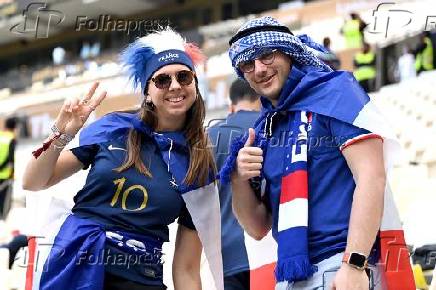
x,y
174,84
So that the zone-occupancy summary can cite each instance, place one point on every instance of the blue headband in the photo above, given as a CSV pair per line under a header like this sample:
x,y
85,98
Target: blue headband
x,y
172,56
142,61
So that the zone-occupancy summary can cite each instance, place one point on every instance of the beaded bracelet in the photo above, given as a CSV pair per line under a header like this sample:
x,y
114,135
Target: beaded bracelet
x,y
62,138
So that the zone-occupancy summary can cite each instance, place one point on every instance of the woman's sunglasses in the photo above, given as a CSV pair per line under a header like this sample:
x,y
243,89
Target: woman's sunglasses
x,y
183,77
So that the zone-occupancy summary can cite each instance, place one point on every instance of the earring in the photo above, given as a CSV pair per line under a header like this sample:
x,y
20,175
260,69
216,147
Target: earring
x,y
149,105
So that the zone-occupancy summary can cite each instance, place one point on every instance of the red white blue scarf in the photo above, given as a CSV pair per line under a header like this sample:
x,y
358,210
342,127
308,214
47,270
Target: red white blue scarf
x,y
292,233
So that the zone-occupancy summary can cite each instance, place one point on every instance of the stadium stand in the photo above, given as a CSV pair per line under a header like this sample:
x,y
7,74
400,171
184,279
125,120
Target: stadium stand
x,y
410,106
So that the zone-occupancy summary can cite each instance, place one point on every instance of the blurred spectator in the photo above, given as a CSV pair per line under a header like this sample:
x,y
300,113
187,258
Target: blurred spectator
x,y
406,64
85,51
17,242
424,54
7,152
364,68
330,57
94,50
353,30
58,55
244,111
432,36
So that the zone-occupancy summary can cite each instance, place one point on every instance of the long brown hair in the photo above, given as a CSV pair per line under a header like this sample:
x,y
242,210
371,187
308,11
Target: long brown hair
x,y
201,162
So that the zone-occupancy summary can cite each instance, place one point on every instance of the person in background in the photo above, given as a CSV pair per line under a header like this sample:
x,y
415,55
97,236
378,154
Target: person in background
x,y
85,51
353,31
7,159
364,68
329,57
406,65
18,242
58,55
424,54
244,110
432,36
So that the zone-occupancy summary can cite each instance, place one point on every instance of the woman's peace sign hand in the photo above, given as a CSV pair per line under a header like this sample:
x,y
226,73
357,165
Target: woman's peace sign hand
x,y
75,111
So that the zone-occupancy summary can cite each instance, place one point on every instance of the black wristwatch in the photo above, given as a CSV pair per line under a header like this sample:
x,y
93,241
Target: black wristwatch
x,y
355,260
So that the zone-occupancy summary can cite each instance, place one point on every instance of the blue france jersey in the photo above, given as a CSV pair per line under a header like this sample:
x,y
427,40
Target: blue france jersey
x,y
129,199
331,184
232,235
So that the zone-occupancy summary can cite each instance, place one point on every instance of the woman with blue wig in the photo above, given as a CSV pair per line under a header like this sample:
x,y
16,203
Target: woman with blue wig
x,y
147,168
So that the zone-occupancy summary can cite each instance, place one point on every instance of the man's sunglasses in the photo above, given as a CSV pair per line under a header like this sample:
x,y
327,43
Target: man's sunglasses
x,y
183,77
266,56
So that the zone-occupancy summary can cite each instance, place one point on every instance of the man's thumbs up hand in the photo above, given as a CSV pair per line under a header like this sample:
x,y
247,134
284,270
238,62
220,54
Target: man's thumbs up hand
x,y
249,161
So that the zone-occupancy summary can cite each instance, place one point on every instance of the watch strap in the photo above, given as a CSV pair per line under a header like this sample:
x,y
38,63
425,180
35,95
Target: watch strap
x,y
347,258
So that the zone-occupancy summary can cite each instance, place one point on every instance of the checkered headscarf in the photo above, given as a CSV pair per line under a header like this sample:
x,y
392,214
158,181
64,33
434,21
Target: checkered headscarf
x,y
299,48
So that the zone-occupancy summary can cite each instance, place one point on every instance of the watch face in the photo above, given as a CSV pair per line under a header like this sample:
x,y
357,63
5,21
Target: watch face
x,y
357,260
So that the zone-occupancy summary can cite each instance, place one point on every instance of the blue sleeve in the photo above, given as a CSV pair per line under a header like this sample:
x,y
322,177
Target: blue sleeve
x,y
86,154
185,219
343,132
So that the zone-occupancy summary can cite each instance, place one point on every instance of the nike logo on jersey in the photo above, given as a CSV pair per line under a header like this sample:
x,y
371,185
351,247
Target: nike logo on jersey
x,y
111,148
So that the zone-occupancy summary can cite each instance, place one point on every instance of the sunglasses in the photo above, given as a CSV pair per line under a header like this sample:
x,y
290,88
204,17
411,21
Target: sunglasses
x,y
265,56
183,77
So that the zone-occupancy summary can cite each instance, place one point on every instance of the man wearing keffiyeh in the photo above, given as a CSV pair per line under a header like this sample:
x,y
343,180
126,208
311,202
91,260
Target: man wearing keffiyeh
x,y
321,149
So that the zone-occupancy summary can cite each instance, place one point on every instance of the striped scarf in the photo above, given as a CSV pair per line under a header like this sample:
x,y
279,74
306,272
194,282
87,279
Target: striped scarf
x,y
293,254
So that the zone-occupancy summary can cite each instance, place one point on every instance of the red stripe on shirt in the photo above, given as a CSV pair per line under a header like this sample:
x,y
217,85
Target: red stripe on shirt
x,y
294,186
358,139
